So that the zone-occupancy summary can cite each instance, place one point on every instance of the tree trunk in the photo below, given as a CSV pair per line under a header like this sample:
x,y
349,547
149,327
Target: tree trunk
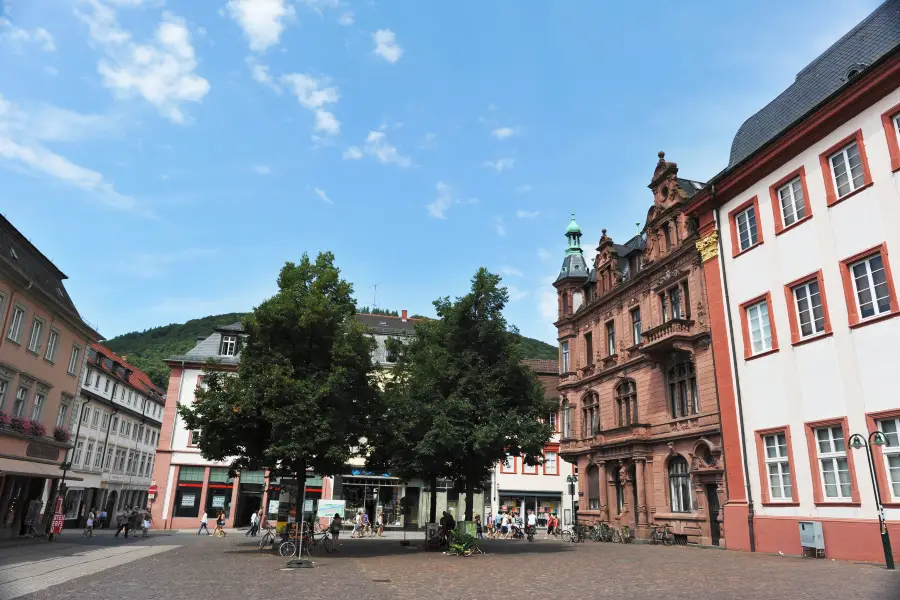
x,y
470,497
432,514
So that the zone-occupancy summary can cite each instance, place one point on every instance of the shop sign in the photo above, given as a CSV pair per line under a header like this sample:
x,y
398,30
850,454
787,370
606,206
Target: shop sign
x,y
218,502
188,500
42,452
328,508
273,507
57,524
308,506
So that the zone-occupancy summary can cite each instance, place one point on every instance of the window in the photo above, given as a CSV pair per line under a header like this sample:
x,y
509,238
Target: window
x,y
791,202
96,420
37,333
611,338
593,486
228,345
675,302
564,352
835,470
106,385
115,425
552,421
85,415
891,122
52,346
4,387
15,326
73,360
591,415
891,453
508,465
37,410
97,380
105,423
588,349
61,416
108,461
636,325
19,404
566,420
759,335
846,169
778,468
748,234
99,458
872,292
551,464
679,485
809,308
141,467
194,437
89,455
682,380
76,457
626,402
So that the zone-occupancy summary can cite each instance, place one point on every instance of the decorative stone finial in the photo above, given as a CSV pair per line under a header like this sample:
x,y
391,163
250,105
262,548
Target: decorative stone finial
x,y
661,155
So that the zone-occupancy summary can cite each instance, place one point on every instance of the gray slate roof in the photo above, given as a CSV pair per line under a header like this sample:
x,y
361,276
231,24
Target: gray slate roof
x,y
876,36
209,347
574,266
386,325
690,186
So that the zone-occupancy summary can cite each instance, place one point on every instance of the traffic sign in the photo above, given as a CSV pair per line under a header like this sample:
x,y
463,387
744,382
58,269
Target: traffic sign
x,y
57,524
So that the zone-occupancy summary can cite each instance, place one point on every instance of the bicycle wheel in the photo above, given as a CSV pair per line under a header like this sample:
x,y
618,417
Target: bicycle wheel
x,y
287,549
328,544
616,537
469,551
265,542
567,536
668,540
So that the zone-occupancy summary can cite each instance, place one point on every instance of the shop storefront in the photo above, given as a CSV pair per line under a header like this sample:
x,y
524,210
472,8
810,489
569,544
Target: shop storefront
x,y
543,504
218,496
188,492
396,502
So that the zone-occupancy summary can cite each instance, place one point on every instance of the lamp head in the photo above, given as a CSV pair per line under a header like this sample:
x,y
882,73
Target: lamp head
x,y
856,441
879,439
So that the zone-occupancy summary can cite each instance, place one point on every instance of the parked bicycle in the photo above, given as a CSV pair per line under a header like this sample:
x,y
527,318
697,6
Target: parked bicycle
x,y
623,534
599,532
268,538
663,536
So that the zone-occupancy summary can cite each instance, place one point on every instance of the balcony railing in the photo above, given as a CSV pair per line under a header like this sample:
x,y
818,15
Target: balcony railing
x,y
663,338
616,435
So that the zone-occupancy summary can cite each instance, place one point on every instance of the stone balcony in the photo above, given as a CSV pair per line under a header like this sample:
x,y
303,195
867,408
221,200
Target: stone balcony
x,y
667,337
637,432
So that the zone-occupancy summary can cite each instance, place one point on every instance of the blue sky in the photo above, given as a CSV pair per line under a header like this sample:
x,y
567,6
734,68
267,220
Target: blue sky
x,y
170,155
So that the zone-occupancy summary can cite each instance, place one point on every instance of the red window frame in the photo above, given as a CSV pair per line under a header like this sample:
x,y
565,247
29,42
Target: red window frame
x,y
893,138
878,456
794,317
831,197
514,469
555,452
776,201
745,327
763,471
814,466
732,225
524,466
850,292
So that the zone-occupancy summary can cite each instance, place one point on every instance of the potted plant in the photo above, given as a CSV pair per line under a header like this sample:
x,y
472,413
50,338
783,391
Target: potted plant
x,y
4,419
61,435
36,428
17,424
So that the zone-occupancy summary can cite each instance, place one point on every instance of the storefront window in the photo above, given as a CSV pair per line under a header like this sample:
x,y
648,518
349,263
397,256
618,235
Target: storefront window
x,y
377,496
188,490
218,496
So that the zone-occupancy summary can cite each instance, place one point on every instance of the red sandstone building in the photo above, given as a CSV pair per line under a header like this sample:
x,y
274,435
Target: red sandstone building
x,y
639,411
796,241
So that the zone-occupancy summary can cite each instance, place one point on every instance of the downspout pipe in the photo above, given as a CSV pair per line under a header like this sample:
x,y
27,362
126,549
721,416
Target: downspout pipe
x,y
737,385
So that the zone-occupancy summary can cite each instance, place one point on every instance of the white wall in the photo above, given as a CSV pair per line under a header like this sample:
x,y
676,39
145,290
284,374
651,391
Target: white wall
x,y
852,372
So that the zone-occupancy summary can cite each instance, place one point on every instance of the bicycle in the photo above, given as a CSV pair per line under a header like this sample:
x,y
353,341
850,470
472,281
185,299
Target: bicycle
x,y
665,537
622,535
268,538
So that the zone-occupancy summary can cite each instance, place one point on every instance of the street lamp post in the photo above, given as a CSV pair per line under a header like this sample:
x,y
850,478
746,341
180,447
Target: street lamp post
x,y
67,464
572,480
857,442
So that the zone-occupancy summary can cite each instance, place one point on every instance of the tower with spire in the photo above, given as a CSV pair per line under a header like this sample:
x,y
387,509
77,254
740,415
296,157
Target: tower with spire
x,y
574,273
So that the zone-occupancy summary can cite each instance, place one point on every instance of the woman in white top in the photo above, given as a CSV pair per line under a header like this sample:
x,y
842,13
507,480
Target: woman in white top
x,y
89,528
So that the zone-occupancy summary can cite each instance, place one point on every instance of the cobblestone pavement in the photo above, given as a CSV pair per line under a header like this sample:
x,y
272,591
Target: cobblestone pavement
x,y
196,568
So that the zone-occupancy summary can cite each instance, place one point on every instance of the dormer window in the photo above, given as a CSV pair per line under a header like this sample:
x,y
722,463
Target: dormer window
x,y
228,346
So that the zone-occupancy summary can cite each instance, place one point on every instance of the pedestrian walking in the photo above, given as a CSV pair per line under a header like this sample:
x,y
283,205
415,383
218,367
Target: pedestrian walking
x,y
89,528
254,523
104,521
220,524
357,525
203,524
489,523
335,529
479,532
145,525
379,524
122,523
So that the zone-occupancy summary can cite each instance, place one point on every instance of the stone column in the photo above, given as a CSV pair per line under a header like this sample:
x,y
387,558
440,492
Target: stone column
x,y
604,490
641,508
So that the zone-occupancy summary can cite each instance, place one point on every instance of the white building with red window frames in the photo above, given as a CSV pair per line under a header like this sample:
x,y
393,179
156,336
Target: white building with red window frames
x,y
543,488
797,236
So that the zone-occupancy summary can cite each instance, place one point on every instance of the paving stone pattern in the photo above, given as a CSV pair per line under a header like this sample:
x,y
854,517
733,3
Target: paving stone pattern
x,y
197,568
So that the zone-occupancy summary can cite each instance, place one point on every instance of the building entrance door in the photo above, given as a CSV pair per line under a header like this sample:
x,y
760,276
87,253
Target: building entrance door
x,y
712,501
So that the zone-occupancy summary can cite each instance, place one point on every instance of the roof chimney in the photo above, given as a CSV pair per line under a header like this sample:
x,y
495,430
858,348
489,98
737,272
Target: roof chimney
x,y
403,315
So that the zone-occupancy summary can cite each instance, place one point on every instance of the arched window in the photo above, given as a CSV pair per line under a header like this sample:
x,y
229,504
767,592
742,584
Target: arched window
x,y
593,483
679,485
683,399
590,415
566,420
626,402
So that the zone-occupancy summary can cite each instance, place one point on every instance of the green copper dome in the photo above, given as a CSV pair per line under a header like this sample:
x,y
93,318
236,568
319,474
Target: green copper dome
x,y
573,226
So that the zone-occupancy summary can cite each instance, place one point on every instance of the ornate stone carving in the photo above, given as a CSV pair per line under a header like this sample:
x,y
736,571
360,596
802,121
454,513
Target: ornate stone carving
x,y
708,246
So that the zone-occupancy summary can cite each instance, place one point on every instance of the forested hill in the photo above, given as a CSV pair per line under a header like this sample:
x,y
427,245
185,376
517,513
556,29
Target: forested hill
x,y
149,349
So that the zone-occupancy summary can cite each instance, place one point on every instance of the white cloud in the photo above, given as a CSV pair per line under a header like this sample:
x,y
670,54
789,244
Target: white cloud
x,y
508,271
314,95
321,194
260,74
353,153
162,72
524,189
548,304
386,45
262,169
499,226
21,146
501,133
18,36
544,255
438,208
48,123
515,294
346,19
263,21
501,164
149,266
377,146
527,214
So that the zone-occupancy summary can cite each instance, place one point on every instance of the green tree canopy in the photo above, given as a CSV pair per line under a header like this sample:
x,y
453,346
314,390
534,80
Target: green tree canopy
x,y
303,395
